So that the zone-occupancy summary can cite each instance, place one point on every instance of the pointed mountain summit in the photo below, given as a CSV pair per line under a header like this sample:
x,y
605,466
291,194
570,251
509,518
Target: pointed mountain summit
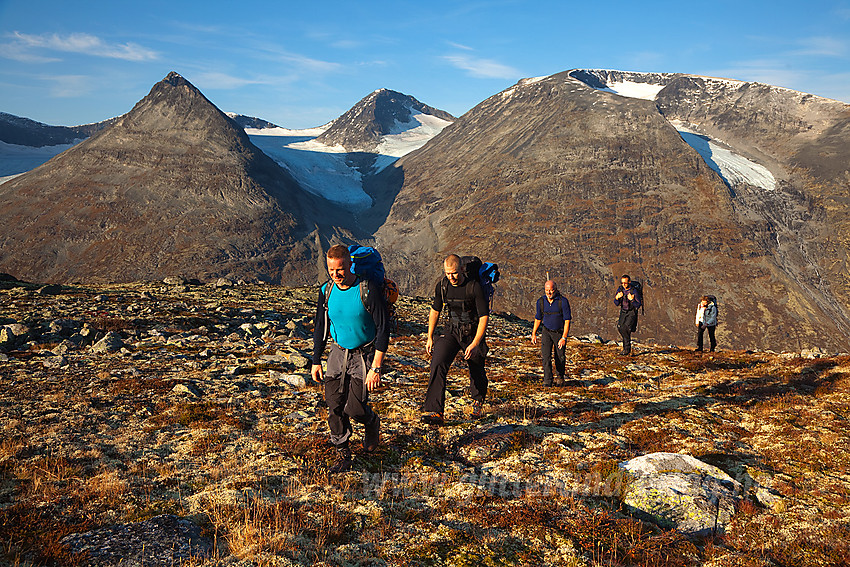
x,y
173,187
381,113
556,176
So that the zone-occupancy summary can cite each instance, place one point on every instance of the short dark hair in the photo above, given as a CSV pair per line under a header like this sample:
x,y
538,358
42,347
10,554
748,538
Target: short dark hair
x,y
625,277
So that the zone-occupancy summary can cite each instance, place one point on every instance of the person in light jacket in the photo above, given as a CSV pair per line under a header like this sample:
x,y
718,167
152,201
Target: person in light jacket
x,y
706,319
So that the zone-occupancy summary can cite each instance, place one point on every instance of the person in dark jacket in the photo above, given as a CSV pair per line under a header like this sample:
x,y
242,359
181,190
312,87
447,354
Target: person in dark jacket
x,y
554,315
629,302
468,313
360,337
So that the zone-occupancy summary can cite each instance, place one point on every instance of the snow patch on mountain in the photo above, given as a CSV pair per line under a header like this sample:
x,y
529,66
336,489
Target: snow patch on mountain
x,y
412,135
16,159
733,168
646,91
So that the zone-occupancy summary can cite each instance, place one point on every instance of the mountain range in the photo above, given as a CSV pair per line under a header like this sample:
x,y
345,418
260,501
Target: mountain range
x,y
693,185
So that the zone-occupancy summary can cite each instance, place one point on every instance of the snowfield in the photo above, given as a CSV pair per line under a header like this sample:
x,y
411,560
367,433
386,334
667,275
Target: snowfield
x,y
326,170
646,91
320,169
732,167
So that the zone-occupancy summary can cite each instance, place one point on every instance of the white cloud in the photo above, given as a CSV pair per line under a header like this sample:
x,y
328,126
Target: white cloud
x,y
822,46
483,68
18,52
460,46
217,80
70,86
79,43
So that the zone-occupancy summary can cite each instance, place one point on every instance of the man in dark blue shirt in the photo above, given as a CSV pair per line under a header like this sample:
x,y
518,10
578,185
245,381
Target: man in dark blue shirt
x,y
358,323
553,313
629,301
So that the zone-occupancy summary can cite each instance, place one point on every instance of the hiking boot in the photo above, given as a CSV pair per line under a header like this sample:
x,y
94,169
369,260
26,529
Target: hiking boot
x,y
344,460
373,435
547,384
433,418
477,409
559,381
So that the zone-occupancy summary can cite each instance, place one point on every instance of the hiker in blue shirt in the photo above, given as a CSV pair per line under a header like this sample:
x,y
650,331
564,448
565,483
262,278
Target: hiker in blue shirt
x,y
629,300
554,315
360,337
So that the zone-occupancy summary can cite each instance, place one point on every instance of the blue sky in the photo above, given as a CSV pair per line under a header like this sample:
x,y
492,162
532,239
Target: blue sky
x,y
301,64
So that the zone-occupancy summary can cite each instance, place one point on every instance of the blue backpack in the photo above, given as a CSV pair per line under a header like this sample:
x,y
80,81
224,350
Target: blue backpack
x,y
366,263
485,273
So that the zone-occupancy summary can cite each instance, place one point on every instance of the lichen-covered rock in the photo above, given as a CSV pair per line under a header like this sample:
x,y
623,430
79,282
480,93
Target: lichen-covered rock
x,y
679,491
110,343
160,541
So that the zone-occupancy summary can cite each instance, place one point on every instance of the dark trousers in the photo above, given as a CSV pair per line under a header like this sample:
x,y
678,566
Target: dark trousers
x,y
548,343
711,340
442,355
345,391
626,325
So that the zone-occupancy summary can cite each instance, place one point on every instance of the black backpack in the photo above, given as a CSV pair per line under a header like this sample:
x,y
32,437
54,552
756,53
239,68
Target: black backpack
x,y
638,288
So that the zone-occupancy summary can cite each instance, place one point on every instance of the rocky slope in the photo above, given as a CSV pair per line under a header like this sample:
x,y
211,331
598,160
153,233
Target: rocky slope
x,y
174,186
25,132
154,422
556,176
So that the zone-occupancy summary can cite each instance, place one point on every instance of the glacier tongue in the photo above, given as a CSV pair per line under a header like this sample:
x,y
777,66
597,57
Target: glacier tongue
x,y
733,168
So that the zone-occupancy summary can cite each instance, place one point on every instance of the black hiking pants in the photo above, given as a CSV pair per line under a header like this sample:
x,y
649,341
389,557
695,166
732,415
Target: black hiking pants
x,y
626,325
345,390
549,343
711,340
442,355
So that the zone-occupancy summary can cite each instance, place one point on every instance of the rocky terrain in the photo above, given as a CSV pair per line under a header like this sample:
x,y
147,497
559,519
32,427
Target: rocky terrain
x,y
25,132
169,422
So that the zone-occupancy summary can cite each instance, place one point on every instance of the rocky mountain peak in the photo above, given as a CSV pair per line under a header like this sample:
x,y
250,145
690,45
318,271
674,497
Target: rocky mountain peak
x,y
378,114
176,105
174,182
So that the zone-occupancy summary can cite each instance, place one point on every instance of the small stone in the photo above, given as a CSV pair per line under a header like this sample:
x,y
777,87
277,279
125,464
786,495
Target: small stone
x,y
56,362
110,343
294,380
187,390
299,361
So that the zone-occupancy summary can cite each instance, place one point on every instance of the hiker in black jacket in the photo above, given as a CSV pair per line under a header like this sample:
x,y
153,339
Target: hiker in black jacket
x,y
553,313
468,313
629,301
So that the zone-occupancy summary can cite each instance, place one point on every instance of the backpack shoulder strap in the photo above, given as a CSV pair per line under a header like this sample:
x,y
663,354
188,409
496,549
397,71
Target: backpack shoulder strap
x,y
327,288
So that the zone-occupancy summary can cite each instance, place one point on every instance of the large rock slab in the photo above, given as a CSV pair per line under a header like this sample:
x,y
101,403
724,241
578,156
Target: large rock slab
x,y
679,491
160,541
